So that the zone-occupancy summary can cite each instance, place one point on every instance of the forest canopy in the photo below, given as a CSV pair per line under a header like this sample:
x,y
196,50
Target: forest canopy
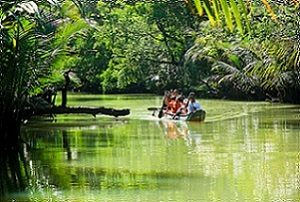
x,y
148,46
136,46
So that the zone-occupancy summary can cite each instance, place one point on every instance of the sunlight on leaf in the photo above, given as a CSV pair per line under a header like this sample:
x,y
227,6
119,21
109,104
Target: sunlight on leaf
x,y
30,7
199,7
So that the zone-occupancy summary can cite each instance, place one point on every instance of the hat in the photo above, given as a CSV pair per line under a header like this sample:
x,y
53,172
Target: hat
x,y
192,95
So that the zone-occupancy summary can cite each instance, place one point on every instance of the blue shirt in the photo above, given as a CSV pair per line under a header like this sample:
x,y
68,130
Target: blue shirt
x,y
194,106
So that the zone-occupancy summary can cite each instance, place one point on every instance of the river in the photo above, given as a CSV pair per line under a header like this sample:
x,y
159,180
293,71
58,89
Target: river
x,y
244,151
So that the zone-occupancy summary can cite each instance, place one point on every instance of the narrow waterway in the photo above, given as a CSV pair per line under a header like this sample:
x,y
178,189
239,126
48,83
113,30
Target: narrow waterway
x,y
244,151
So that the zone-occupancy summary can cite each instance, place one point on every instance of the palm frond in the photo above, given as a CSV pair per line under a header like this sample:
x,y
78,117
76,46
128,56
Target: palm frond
x,y
236,11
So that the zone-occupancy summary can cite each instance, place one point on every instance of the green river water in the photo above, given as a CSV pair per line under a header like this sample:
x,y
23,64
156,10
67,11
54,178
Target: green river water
x,y
244,151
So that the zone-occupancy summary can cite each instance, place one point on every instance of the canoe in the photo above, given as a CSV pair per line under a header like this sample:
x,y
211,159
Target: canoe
x,y
199,115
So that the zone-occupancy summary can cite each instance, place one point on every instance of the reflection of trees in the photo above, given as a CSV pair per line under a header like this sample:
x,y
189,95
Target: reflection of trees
x,y
241,152
100,163
13,171
71,145
248,157
66,145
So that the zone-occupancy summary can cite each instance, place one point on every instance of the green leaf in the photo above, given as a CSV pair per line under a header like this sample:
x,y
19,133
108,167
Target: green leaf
x,y
216,10
244,11
199,7
237,16
227,14
209,13
14,42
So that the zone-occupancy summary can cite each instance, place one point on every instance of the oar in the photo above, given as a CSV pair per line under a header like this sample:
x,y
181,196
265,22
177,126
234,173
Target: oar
x,y
160,113
154,109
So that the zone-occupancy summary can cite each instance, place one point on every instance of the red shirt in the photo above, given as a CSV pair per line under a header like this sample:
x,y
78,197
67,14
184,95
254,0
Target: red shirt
x,y
174,106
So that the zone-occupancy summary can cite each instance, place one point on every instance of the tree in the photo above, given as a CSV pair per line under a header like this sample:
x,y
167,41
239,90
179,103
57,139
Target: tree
x,y
25,36
147,44
19,59
273,41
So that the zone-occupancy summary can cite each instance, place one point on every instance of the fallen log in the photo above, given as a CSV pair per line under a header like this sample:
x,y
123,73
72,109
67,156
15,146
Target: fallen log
x,y
89,110
38,106
82,110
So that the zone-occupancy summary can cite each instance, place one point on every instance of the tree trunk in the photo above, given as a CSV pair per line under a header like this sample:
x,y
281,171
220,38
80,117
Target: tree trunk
x,y
65,89
64,97
10,132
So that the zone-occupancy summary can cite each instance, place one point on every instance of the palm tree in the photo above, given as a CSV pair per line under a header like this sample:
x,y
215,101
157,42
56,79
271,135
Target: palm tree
x,y
26,46
278,60
237,11
18,64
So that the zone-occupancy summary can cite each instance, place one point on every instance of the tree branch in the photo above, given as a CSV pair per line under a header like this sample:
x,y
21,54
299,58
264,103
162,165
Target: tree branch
x,y
163,31
161,61
166,34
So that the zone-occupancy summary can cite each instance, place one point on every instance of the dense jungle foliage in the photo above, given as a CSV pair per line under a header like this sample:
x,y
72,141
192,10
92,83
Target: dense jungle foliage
x,y
235,49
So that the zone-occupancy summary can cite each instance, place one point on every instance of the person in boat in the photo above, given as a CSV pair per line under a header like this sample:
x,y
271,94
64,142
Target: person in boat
x,y
174,92
165,104
181,107
193,105
173,105
166,99
171,102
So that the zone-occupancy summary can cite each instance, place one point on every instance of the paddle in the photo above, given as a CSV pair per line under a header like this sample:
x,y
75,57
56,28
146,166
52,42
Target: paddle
x,y
153,108
160,113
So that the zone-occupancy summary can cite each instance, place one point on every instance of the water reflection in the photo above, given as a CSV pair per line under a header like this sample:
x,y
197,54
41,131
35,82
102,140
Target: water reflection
x,y
175,130
13,171
180,130
66,145
253,156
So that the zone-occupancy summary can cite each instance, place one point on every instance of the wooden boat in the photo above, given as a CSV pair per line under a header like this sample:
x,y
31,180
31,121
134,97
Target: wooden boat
x,y
198,115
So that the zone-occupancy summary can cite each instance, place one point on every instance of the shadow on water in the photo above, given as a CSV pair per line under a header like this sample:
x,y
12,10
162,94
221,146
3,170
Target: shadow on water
x,y
13,171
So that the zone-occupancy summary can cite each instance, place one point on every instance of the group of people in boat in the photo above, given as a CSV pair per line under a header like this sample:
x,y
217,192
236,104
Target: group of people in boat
x,y
177,104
